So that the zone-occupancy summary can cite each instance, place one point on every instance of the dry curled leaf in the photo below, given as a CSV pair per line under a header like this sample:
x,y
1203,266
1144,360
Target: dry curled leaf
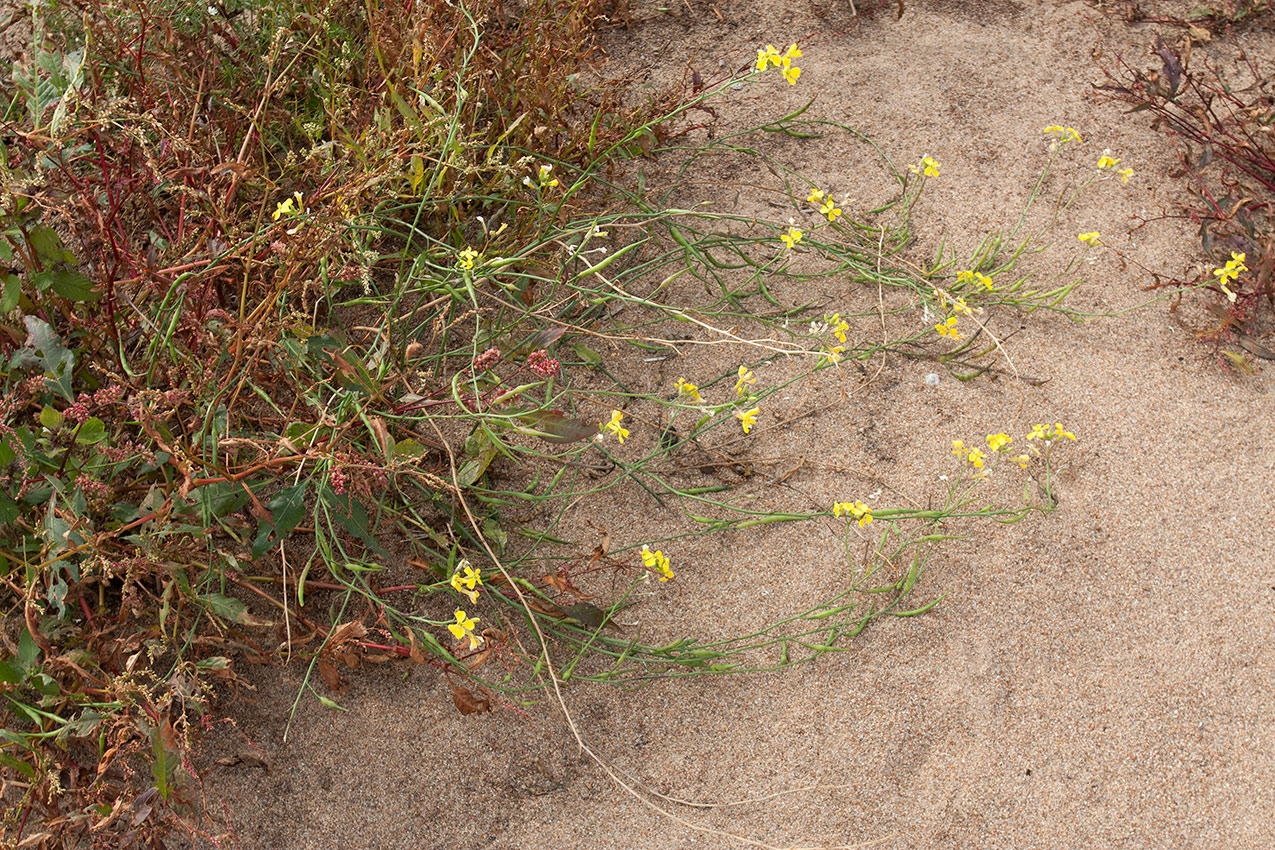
x,y
467,702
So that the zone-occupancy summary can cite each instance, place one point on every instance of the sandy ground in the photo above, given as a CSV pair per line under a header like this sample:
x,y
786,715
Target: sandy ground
x,y
1098,678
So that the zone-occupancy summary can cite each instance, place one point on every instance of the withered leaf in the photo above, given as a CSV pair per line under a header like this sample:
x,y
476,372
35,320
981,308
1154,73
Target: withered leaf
x,y
544,606
352,630
467,702
327,671
557,582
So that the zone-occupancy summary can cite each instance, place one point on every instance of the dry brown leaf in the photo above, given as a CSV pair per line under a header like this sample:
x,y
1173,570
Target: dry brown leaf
x,y
467,702
415,652
543,606
353,630
327,671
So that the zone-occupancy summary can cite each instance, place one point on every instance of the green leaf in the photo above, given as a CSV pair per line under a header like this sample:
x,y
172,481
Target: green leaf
x,y
47,244
553,426
287,509
588,355
225,606
9,295
10,674
8,510
28,650
17,764
73,286
92,431
51,418
409,449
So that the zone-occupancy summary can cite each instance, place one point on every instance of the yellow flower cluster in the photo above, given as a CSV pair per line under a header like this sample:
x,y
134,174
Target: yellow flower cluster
x,y
1063,135
975,277
791,238
827,206
464,628
613,427
687,389
948,328
974,456
745,380
467,257
292,206
466,579
1042,432
1090,238
928,166
1234,266
658,562
1107,162
769,57
747,418
857,510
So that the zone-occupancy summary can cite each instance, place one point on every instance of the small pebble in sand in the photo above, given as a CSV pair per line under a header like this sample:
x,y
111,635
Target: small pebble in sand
x,y
932,379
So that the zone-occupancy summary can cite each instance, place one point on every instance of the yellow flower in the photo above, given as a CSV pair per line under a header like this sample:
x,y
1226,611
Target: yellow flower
x,y
816,196
792,237
1059,432
1038,432
745,377
1091,237
291,206
1106,162
996,442
948,329
465,584
958,448
931,167
858,510
545,179
1022,461
960,306
768,56
831,210
467,258
686,388
748,418
1064,134
985,280
657,561
1125,174
464,628
965,277
838,327
613,427
976,458
834,354
790,54
791,73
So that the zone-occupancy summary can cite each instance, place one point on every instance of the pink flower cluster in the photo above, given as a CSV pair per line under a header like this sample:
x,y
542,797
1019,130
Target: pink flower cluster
x,y
542,364
487,359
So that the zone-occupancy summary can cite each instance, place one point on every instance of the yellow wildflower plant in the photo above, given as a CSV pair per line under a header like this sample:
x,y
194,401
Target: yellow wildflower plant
x,y
1090,238
834,354
976,458
464,628
792,237
996,442
831,210
746,378
747,418
816,196
1107,162
985,281
1232,270
791,74
948,329
657,561
1042,431
291,206
928,166
770,57
857,510
1063,135
838,326
613,427
688,390
467,257
1125,174
466,579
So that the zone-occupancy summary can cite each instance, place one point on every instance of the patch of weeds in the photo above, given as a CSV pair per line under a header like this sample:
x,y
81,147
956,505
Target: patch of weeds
x,y
300,343
1223,117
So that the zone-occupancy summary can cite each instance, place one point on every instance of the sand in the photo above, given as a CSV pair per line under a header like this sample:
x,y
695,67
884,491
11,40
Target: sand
x,y
1097,678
